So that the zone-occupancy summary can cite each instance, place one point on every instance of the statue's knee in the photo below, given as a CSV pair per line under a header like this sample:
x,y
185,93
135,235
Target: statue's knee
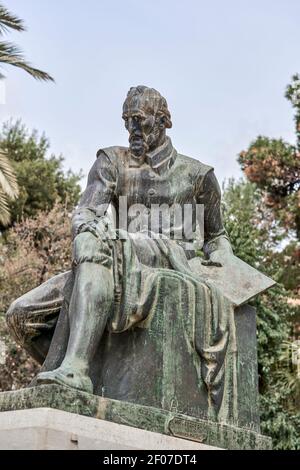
x,y
83,239
13,311
84,245
87,248
15,317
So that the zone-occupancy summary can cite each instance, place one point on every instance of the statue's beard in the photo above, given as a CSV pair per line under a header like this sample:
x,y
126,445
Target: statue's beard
x,y
140,143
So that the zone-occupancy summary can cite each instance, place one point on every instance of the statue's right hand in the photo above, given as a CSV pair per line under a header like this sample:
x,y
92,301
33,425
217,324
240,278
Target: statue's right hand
x,y
99,228
89,227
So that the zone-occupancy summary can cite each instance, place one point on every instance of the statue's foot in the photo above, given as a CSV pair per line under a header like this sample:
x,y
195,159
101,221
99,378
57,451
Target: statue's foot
x,y
68,377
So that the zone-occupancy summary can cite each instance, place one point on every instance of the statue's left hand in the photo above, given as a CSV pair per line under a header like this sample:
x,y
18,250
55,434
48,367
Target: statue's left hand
x,y
217,258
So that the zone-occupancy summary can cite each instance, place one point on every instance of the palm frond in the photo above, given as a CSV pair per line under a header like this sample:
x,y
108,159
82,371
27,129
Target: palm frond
x,y
4,209
9,21
8,180
12,55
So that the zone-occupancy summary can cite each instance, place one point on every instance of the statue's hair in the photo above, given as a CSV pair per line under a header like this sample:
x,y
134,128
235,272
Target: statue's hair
x,y
154,101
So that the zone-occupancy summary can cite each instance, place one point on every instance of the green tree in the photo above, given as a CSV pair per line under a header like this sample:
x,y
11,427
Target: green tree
x,y
264,223
246,218
292,93
10,54
274,165
41,180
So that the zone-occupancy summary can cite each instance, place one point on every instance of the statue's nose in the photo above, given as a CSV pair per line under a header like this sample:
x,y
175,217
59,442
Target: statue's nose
x,y
134,125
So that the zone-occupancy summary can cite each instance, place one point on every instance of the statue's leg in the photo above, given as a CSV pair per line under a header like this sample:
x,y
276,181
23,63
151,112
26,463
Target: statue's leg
x,y
31,318
89,310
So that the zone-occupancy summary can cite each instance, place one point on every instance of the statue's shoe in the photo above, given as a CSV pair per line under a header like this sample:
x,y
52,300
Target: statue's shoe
x,y
63,376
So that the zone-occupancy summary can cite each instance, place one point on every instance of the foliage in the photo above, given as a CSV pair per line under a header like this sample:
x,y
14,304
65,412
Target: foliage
x,y
274,165
8,188
41,179
267,207
35,250
249,234
293,95
10,54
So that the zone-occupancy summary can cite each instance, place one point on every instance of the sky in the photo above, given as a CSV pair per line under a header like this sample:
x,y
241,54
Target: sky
x,y
222,66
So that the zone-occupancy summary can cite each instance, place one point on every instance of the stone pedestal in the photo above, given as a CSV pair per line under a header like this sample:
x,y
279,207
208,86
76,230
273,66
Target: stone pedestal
x,y
154,364
119,424
49,429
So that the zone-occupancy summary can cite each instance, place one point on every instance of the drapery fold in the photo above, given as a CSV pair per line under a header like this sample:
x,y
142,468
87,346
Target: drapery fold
x,y
205,315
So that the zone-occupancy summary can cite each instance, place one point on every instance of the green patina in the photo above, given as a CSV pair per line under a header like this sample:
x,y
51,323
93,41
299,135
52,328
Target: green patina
x,y
144,417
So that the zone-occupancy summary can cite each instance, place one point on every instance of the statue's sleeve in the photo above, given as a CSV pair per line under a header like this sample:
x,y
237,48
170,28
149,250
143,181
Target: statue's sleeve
x,y
98,194
215,235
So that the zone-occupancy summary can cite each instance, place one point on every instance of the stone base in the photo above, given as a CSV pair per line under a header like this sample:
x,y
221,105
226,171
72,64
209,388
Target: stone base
x,y
49,429
190,431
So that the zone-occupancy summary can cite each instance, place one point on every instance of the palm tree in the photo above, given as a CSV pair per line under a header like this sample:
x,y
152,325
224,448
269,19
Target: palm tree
x,y
9,53
8,188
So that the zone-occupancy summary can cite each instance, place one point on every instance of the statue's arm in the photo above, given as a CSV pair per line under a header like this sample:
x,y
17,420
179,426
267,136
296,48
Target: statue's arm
x,y
216,240
97,196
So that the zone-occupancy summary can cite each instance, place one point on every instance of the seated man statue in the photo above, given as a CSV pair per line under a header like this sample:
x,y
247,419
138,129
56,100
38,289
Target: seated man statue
x,y
116,281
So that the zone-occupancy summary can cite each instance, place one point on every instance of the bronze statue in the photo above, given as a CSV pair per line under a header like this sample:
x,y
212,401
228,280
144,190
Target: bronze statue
x,y
120,278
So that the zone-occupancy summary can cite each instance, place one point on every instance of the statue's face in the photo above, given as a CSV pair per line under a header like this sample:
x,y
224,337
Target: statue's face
x,y
146,130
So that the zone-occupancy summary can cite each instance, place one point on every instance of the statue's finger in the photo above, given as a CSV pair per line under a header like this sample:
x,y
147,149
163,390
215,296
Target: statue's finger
x,y
212,263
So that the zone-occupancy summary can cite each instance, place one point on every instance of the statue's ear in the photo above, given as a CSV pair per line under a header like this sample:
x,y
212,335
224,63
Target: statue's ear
x,y
163,122
167,122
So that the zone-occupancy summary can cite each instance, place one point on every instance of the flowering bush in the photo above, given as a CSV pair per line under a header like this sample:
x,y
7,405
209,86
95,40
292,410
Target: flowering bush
x,y
34,250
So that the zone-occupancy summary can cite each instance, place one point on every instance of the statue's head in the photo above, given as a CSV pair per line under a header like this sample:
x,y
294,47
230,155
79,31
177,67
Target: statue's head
x,y
146,117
